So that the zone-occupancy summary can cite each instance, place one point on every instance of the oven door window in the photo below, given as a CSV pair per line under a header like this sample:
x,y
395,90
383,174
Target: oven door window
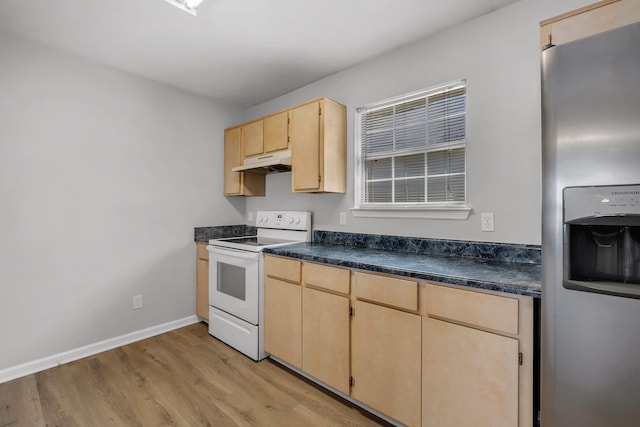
x,y
235,282
231,281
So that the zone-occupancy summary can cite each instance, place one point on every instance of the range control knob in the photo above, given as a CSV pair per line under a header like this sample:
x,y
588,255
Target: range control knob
x,y
266,219
297,220
290,220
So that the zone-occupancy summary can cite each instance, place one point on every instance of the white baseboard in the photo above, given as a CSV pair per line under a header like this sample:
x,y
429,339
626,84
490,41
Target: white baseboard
x,y
28,368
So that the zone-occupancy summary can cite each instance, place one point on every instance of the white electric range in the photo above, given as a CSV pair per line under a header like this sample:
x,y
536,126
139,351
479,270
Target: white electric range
x,y
236,278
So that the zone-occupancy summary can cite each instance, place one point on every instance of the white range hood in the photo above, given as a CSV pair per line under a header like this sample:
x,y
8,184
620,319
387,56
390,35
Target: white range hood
x,y
279,161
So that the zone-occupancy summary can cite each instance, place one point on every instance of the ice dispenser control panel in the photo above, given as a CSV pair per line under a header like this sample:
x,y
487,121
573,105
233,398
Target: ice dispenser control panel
x,y
585,202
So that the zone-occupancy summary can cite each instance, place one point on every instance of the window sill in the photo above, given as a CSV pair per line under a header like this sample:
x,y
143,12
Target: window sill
x,y
460,213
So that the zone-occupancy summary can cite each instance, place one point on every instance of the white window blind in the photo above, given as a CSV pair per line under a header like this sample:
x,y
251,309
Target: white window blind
x,y
411,149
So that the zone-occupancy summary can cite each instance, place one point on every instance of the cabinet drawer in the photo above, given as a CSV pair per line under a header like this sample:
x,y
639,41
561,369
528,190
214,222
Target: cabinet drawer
x,y
399,293
203,253
325,277
282,268
475,308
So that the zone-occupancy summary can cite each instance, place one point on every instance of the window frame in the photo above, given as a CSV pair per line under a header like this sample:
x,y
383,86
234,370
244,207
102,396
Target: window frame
x,y
430,210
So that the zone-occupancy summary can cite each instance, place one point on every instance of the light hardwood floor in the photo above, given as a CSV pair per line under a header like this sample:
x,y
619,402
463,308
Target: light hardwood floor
x,y
180,378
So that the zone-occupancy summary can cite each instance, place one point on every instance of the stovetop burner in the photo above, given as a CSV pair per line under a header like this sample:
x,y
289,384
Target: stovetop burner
x,y
251,241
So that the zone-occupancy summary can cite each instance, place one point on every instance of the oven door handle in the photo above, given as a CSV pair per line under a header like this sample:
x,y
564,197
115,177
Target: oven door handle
x,y
233,253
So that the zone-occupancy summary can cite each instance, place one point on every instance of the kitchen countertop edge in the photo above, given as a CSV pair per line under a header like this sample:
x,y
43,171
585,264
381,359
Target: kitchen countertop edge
x,y
530,287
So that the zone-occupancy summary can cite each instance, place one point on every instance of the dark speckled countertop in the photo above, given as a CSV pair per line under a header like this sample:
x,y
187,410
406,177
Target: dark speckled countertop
x,y
204,234
521,278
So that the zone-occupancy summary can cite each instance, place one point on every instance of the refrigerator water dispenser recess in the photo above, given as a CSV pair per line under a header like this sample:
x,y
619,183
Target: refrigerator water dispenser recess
x,y
602,239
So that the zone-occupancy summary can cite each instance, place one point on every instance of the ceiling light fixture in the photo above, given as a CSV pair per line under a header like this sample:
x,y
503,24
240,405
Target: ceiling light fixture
x,y
188,6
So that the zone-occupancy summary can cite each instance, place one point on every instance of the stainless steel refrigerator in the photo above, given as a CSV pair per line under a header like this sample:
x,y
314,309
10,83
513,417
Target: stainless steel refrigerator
x,y
590,339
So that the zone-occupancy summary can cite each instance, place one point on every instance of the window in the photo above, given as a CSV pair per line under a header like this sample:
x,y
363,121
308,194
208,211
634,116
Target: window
x,y
411,152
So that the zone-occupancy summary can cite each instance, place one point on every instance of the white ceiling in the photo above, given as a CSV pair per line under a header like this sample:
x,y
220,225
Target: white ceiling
x,y
240,51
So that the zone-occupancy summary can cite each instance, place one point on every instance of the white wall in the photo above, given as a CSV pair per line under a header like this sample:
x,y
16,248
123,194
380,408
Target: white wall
x,y
499,55
103,176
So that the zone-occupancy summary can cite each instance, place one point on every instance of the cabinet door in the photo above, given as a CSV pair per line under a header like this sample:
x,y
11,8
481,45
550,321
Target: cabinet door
x,y
202,281
305,147
386,360
325,338
252,139
276,132
283,320
232,158
589,20
469,377
238,184
333,138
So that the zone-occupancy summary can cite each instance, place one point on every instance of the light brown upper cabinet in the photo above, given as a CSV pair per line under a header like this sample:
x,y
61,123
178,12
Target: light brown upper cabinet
x,y
319,147
316,134
276,132
589,20
235,183
266,135
253,138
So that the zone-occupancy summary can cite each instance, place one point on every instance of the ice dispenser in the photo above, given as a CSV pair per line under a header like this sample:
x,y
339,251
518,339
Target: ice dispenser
x,y
602,239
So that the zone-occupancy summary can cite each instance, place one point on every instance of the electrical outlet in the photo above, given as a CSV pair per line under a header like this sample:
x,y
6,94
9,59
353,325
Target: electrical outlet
x,y
486,221
343,218
249,216
137,302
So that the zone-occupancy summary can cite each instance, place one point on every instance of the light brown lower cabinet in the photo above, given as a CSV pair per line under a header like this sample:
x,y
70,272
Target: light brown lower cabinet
x,y
422,354
385,361
477,358
283,320
325,337
202,281
470,377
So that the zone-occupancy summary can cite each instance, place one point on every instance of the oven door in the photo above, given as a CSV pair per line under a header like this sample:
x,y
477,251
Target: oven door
x,y
234,282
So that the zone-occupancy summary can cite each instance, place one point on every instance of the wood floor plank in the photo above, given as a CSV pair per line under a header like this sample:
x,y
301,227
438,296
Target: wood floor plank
x,y
131,381
20,403
170,378
58,395
181,378
246,403
108,397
